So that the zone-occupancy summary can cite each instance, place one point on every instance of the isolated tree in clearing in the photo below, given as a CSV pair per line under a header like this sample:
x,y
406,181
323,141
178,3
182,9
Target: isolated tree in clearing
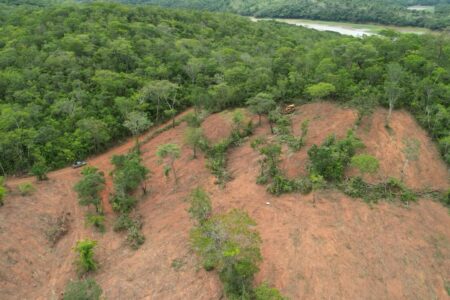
x,y
90,186
85,250
261,104
229,243
137,122
169,153
193,137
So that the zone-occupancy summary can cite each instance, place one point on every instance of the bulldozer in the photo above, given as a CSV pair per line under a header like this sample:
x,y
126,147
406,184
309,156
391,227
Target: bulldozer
x,y
289,109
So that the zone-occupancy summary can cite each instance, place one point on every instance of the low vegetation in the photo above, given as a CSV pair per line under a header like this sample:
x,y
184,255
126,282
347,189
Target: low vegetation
x,y
2,191
331,159
167,154
228,244
85,261
26,189
217,154
83,289
201,208
57,228
89,188
128,175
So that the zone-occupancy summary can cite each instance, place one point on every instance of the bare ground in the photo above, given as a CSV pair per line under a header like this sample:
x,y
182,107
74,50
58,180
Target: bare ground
x,y
338,249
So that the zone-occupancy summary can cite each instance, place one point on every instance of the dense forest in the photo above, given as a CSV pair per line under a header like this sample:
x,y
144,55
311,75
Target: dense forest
x,y
70,74
360,11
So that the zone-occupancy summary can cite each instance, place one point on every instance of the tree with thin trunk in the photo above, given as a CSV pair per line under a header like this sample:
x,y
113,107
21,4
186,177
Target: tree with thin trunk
x,y
168,153
158,91
193,137
411,151
392,87
137,122
89,188
261,104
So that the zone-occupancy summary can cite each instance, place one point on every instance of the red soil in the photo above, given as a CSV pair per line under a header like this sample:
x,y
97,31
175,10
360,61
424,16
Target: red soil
x,y
338,249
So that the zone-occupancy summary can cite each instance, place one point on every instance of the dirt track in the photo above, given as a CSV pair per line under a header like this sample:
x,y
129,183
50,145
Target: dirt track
x,y
339,249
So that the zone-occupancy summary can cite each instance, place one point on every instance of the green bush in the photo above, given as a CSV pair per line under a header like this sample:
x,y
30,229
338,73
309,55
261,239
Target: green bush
x,y
86,289
134,237
201,208
123,203
2,190
303,185
265,292
133,226
85,250
89,188
280,185
26,189
391,189
365,163
40,170
98,221
332,157
229,244
445,199
123,222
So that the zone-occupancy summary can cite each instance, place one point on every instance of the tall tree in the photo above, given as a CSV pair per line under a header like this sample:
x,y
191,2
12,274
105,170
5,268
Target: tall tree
x,y
392,87
169,152
137,122
261,104
159,91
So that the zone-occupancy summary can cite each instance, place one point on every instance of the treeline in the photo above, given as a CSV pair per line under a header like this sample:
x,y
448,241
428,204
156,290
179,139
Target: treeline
x,y
359,11
71,75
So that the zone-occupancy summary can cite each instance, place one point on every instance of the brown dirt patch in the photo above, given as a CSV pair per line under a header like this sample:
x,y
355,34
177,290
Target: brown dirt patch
x,y
388,146
325,118
339,249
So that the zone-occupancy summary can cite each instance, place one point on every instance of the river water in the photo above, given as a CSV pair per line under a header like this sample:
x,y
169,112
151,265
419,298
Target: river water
x,y
352,29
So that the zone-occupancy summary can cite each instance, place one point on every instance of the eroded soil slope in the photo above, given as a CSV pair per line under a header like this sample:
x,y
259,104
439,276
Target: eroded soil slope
x,y
339,248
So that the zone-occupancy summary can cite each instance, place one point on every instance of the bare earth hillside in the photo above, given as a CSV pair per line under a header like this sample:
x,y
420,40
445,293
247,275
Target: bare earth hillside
x,y
339,248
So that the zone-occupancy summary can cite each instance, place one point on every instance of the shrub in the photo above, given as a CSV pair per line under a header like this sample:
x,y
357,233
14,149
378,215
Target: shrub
x,y
365,163
57,228
133,226
303,185
89,187
356,187
98,221
169,153
2,190
40,170
445,199
26,189
280,185
134,237
85,250
123,222
229,244
123,203
200,209
389,190
86,289
332,157
265,292
129,173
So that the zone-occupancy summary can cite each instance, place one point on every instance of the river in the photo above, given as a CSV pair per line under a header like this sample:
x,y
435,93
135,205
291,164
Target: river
x,y
352,29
